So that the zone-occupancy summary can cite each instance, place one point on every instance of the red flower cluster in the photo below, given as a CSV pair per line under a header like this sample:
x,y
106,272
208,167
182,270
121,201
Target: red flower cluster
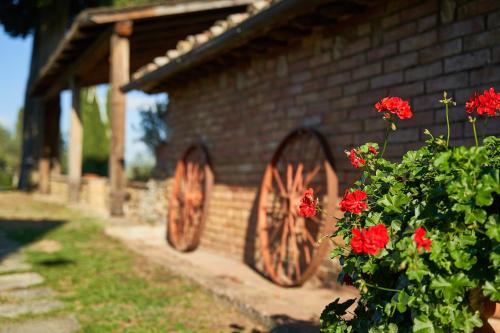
x,y
394,105
308,206
353,202
369,241
372,150
486,104
420,240
356,160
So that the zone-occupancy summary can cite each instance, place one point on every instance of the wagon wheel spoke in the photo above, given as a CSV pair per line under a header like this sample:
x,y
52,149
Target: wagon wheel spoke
x,y
278,180
282,248
308,236
289,178
295,252
278,229
297,181
308,255
311,174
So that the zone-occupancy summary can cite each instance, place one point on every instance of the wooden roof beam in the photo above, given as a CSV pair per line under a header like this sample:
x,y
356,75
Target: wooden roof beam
x,y
164,10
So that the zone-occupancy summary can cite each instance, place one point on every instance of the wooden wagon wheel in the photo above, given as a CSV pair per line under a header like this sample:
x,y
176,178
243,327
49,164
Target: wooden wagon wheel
x,y
189,202
289,246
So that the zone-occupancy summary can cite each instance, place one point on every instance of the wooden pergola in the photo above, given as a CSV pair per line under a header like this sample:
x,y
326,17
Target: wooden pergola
x,y
106,45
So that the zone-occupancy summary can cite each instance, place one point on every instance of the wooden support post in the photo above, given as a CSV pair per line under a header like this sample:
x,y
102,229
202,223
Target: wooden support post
x,y
119,76
50,143
54,107
75,143
44,161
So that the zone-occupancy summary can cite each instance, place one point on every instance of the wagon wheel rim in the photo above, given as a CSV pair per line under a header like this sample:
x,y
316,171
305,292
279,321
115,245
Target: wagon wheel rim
x,y
289,242
189,200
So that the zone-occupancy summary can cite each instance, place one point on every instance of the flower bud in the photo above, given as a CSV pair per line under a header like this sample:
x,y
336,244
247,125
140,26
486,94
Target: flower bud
x,y
441,142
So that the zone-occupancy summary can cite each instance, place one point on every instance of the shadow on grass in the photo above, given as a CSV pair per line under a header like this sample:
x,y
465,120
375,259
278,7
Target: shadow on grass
x,y
22,232
58,262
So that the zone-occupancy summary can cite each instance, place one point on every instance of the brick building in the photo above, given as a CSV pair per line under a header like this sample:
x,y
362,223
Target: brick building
x,y
320,65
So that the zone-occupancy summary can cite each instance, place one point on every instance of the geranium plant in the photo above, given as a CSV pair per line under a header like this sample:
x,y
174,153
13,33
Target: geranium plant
x,y
422,236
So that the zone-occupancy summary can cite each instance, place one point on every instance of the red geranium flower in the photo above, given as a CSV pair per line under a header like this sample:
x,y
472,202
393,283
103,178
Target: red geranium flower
x,y
308,206
356,160
353,202
394,105
369,241
486,104
420,240
472,104
372,150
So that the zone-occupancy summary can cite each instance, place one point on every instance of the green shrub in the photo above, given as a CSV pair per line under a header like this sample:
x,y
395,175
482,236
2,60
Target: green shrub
x,y
440,209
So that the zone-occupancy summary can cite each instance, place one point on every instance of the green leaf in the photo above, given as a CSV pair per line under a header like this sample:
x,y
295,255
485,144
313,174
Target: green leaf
x,y
490,290
336,252
396,225
451,287
390,328
493,228
495,256
417,269
475,216
422,324
403,299
393,203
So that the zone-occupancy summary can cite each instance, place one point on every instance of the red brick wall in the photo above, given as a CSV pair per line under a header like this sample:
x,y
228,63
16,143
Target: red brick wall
x,y
330,81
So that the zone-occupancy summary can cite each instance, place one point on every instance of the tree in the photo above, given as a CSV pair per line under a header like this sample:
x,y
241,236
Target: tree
x,y
21,18
153,126
9,152
95,141
140,168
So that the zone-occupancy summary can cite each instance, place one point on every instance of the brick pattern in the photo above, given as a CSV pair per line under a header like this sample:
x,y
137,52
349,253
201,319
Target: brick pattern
x,y
330,82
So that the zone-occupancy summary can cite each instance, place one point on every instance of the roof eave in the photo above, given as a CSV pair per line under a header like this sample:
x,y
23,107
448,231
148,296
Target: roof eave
x,y
276,15
103,15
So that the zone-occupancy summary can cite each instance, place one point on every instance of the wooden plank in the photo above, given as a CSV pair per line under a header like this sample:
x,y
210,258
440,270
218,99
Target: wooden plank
x,y
164,10
119,75
75,143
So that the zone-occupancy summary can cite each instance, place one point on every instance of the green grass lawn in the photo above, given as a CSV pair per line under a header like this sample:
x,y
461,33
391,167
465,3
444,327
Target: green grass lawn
x,y
109,288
